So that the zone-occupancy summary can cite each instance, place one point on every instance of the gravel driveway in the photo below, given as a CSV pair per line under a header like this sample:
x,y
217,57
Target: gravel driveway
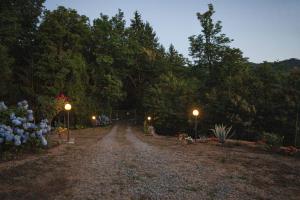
x,y
121,166
122,163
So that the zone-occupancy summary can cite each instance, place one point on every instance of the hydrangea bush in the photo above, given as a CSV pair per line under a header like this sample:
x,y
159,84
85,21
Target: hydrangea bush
x,y
17,126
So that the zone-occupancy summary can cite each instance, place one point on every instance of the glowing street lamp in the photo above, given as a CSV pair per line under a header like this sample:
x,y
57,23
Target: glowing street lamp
x,y
149,120
196,114
94,117
68,107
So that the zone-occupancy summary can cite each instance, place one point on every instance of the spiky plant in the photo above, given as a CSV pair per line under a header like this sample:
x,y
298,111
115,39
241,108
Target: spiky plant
x,y
221,132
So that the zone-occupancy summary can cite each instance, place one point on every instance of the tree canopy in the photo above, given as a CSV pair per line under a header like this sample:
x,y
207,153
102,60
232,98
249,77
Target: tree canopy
x,y
106,64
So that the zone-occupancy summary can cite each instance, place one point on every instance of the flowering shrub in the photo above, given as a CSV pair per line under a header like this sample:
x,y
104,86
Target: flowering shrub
x,y
17,126
104,120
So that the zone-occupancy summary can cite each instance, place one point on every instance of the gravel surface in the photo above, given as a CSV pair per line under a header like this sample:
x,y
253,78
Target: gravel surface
x,y
122,163
121,166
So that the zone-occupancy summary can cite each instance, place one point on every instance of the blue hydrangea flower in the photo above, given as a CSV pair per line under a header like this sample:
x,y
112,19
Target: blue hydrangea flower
x,y
9,137
43,141
16,122
39,133
24,138
19,131
23,128
45,131
3,107
12,116
23,105
17,140
26,126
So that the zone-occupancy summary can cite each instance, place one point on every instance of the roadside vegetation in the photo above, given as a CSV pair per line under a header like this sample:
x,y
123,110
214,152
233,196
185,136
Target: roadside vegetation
x,y
107,63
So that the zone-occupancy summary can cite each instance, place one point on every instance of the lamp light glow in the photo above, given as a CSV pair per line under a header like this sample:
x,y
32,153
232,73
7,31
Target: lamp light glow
x,y
68,106
195,112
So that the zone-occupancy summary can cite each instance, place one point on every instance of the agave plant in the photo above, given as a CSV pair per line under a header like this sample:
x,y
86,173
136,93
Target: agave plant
x,y
221,132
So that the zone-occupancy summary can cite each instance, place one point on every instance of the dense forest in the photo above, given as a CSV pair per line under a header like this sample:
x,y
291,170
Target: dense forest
x,y
106,64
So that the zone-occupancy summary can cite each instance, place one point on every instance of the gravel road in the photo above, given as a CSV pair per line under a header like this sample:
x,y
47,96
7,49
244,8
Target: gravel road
x,y
121,166
121,163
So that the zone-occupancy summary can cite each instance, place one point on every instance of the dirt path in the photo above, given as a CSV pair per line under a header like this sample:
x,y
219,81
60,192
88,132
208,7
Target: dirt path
x,y
121,163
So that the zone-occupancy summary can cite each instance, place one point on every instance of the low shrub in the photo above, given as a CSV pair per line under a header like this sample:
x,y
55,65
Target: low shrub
x,y
221,132
182,136
146,127
272,140
189,140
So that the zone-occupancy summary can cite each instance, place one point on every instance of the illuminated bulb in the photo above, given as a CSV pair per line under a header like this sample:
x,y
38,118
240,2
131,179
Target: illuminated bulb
x,y
195,113
68,106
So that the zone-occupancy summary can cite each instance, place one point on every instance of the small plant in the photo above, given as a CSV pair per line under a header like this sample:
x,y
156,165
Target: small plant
x,y
221,132
146,127
182,136
189,140
272,140
223,160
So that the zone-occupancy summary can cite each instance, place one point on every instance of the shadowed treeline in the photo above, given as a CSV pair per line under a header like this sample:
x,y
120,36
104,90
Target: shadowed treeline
x,y
102,64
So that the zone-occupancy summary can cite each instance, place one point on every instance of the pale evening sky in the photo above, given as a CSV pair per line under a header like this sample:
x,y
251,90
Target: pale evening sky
x,y
263,29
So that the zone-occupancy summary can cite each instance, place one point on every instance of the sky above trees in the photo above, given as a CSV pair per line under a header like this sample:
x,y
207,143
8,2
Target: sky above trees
x,y
264,30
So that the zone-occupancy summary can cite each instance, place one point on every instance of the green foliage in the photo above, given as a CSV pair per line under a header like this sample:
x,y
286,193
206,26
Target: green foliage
x,y
108,65
5,75
225,77
221,132
209,48
18,25
61,65
146,127
169,100
272,140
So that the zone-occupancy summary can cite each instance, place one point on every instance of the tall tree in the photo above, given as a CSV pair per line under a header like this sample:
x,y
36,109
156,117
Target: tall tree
x,y
61,66
108,50
223,72
18,25
169,101
209,47
145,60
5,75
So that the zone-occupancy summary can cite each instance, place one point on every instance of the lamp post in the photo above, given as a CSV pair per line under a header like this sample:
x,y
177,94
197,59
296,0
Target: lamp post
x,y
68,107
94,121
196,113
149,119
